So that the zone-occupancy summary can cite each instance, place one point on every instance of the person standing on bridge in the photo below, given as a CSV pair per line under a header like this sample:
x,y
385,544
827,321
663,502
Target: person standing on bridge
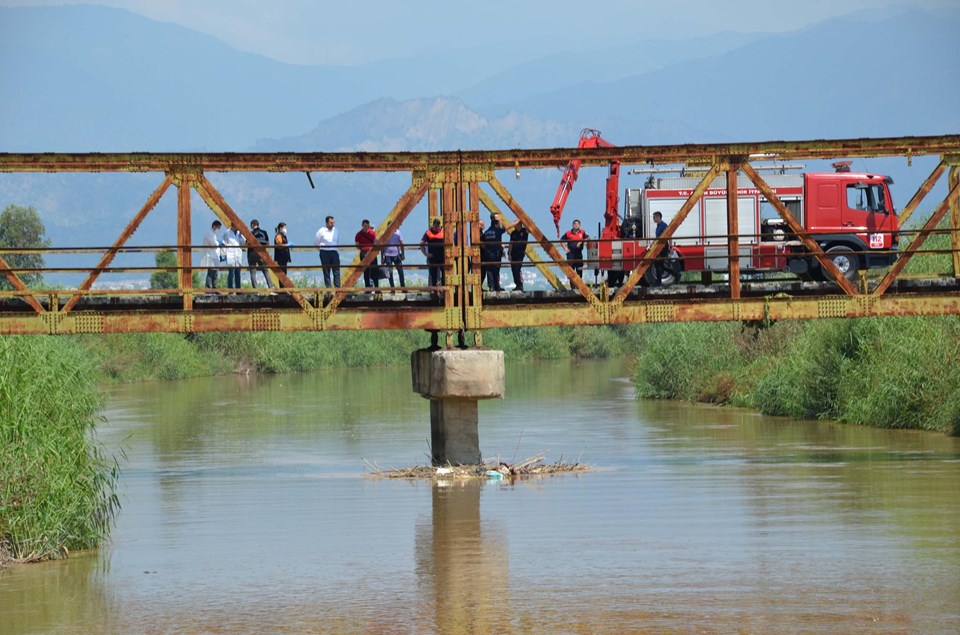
x,y
254,261
393,254
211,255
432,247
281,250
572,244
491,252
658,264
518,249
365,240
231,241
327,239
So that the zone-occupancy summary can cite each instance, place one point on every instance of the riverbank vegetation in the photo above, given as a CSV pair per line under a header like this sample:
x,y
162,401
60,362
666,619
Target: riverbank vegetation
x,y
57,486
885,372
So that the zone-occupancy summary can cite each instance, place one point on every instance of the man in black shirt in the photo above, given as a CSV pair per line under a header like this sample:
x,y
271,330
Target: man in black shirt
x,y
253,258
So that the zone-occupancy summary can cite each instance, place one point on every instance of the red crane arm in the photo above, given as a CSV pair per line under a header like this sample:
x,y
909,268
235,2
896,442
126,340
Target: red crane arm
x,y
589,138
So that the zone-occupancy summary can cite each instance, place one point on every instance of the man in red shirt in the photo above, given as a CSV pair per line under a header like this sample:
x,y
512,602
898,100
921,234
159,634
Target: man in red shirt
x,y
365,239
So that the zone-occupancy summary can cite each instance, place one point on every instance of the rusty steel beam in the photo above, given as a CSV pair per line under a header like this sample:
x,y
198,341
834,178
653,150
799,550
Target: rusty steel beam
x,y
825,261
219,206
17,284
921,193
398,214
125,235
185,185
953,179
438,318
575,280
535,258
654,250
920,238
733,230
493,159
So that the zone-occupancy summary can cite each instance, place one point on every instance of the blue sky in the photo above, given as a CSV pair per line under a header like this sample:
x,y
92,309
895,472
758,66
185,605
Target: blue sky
x,y
349,32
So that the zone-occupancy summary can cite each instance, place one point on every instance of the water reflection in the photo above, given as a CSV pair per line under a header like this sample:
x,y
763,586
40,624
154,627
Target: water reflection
x,y
462,563
246,510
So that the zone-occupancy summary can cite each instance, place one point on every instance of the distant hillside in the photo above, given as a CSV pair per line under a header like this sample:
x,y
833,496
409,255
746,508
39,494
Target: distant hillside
x,y
869,76
84,78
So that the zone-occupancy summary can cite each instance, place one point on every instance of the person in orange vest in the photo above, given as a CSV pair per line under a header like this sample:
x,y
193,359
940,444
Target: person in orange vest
x,y
572,245
431,244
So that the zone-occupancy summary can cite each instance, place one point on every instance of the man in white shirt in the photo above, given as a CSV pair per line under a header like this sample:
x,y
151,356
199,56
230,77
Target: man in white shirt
x,y
211,255
327,239
393,255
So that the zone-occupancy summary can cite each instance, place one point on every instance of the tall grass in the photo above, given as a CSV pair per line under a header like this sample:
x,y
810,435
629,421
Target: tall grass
x,y
57,487
141,357
689,361
886,372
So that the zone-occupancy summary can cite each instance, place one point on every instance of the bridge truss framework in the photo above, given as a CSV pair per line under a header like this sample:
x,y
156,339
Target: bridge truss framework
x,y
451,183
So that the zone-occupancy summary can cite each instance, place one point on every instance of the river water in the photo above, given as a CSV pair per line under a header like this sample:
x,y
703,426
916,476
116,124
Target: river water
x,y
248,507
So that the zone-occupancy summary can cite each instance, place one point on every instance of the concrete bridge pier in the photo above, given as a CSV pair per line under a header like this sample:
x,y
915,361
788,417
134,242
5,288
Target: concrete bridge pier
x,y
454,380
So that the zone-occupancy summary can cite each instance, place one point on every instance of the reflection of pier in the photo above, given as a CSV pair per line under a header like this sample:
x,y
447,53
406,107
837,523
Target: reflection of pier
x,y
462,564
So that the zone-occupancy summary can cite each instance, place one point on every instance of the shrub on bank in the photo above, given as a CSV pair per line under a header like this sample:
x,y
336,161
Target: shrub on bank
x,y
692,361
57,488
884,372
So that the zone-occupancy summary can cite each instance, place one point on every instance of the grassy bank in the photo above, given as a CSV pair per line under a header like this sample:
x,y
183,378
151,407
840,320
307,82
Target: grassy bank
x,y
56,484
883,372
125,358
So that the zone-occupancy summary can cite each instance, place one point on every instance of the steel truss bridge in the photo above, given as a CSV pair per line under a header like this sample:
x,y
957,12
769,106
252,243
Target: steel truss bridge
x,y
459,187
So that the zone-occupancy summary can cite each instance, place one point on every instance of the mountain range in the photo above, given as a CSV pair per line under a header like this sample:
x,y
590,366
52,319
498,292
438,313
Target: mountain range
x,y
89,78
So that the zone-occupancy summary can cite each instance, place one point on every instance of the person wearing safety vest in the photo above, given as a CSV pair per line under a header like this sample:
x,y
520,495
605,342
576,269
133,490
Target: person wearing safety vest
x,y
572,245
431,244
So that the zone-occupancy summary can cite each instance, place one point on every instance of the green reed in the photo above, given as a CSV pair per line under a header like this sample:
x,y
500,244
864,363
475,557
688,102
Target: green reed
x,y
57,486
899,372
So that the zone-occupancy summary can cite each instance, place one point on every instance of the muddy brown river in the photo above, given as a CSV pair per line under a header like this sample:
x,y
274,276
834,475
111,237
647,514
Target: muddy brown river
x,y
248,507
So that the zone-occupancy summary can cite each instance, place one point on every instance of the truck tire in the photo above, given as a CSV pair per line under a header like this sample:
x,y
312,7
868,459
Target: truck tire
x,y
846,261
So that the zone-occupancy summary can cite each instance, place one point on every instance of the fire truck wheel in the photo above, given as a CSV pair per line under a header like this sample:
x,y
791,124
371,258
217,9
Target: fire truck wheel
x,y
846,261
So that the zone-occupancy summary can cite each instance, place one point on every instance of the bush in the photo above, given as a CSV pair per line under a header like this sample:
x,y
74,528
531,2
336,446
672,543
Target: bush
x,y
57,488
690,361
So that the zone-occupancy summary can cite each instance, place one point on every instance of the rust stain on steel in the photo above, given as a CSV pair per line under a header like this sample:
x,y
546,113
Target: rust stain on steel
x,y
825,261
17,284
125,235
550,248
483,159
928,184
654,250
920,238
399,213
436,318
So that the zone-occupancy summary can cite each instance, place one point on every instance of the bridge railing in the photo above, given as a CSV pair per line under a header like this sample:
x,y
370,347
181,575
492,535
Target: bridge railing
x,y
460,188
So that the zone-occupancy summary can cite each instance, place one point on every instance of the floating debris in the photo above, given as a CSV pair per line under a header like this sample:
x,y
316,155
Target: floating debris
x,y
495,470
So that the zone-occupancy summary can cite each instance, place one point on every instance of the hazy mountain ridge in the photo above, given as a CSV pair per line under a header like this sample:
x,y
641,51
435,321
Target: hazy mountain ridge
x,y
107,80
438,123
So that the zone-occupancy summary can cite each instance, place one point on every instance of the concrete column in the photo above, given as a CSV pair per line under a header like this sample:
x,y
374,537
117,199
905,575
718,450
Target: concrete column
x,y
454,381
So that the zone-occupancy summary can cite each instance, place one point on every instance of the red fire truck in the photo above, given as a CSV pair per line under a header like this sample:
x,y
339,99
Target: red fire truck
x,y
849,214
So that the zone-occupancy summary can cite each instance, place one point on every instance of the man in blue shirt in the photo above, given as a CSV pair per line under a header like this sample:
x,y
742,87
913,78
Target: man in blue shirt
x,y
658,266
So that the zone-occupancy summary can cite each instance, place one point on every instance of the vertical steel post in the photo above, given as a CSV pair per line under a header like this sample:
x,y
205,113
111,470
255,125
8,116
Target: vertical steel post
x,y
952,180
184,240
448,212
733,230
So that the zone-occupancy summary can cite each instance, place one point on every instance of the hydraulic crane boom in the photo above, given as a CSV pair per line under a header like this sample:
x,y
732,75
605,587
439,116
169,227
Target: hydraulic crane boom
x,y
590,138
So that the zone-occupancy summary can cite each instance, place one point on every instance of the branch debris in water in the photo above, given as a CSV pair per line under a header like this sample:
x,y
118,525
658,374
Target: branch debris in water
x,y
497,470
